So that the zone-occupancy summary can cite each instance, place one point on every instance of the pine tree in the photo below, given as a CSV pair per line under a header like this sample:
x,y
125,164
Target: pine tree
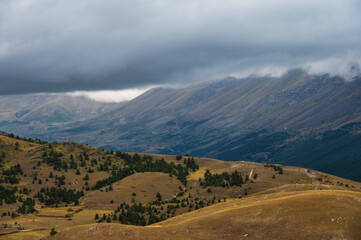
x,y
53,232
16,146
159,197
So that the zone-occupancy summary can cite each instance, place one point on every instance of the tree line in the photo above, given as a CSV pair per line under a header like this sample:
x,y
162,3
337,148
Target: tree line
x,y
223,180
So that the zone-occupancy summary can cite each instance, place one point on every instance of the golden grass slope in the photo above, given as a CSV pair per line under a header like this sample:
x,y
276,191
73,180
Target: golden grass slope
x,y
145,186
326,214
272,205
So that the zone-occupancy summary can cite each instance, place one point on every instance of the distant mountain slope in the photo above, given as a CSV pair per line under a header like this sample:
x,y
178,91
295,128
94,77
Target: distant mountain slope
x,y
33,114
190,119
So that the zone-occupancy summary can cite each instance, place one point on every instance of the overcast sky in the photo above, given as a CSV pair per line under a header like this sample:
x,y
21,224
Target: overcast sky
x,y
87,45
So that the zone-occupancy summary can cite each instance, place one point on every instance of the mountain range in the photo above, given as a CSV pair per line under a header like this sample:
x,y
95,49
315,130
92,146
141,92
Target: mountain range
x,y
40,113
298,119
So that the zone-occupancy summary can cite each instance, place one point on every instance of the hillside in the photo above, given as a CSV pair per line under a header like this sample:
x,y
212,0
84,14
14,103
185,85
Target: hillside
x,y
27,115
302,215
67,186
261,119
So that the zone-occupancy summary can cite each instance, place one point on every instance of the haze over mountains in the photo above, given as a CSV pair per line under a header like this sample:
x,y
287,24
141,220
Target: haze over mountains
x,y
39,113
263,119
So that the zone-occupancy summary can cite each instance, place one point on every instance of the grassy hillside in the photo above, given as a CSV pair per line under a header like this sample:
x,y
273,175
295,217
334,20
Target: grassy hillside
x,y
63,185
296,215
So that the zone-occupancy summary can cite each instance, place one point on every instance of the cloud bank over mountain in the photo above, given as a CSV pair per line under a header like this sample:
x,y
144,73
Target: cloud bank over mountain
x,y
110,95
88,45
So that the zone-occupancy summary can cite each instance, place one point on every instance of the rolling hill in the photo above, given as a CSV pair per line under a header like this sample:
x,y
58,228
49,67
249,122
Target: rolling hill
x,y
302,215
89,193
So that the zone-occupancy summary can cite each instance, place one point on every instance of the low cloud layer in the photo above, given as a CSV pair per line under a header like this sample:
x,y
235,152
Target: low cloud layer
x,y
88,45
110,95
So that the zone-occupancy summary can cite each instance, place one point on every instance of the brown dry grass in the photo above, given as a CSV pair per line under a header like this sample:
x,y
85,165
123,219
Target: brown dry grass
x,y
293,182
144,185
327,214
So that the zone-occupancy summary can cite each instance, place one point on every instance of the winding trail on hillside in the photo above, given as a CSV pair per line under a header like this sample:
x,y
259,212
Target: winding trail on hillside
x,y
20,231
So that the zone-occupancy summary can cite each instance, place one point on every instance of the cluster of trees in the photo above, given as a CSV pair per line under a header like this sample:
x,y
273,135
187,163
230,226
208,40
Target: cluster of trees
x,y
13,170
136,214
73,164
117,175
60,180
2,157
141,214
7,194
54,159
136,163
12,214
10,175
25,191
105,166
28,206
82,158
11,135
223,180
191,164
277,168
51,196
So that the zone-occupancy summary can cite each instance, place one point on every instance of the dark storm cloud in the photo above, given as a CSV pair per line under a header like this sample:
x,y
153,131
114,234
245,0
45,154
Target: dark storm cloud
x,y
62,46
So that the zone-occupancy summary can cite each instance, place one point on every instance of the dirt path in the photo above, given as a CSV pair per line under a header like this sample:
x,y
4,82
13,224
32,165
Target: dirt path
x,y
250,174
50,216
77,211
19,231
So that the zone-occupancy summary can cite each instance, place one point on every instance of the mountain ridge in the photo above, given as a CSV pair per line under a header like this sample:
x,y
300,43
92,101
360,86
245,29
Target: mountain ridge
x,y
264,114
216,111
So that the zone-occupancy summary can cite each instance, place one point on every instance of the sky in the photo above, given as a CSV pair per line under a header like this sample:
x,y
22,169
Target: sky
x,y
124,47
